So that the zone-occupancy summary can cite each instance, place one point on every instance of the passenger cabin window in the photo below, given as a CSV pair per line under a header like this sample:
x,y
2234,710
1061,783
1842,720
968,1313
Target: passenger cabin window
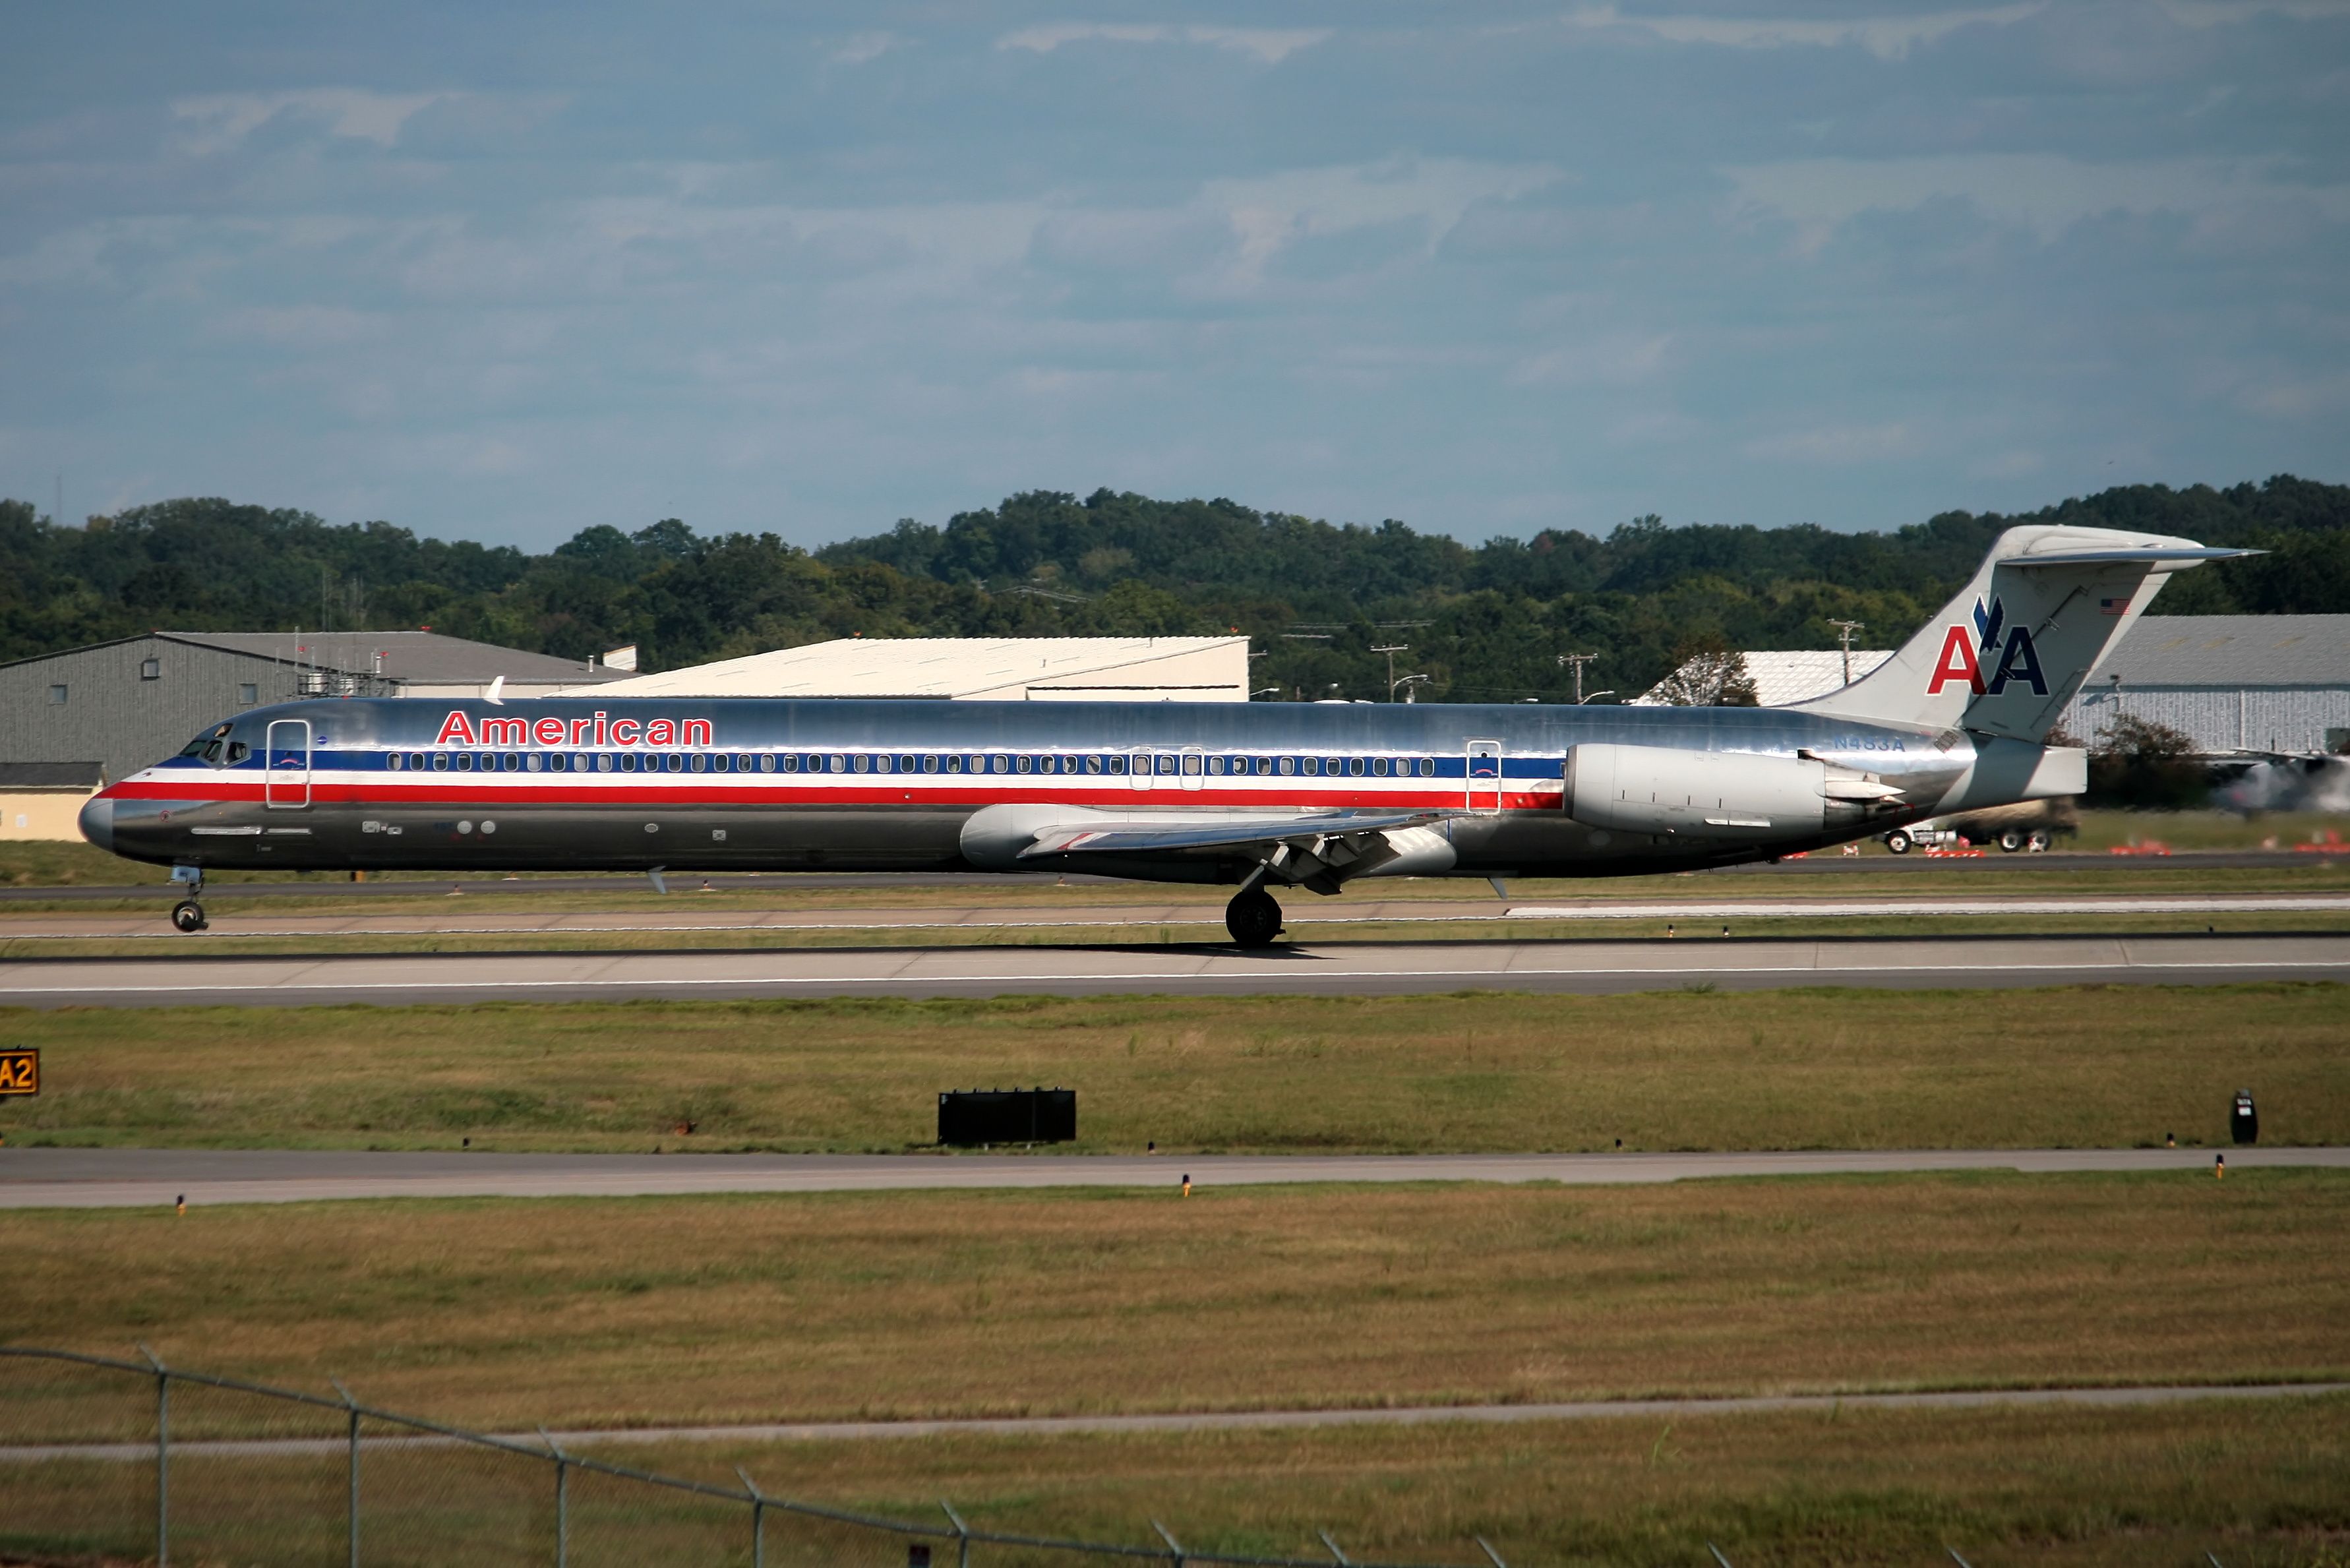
x,y
393,762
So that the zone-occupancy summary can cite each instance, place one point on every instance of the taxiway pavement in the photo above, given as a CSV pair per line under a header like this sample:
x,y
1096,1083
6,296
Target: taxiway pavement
x,y
1334,969
135,1177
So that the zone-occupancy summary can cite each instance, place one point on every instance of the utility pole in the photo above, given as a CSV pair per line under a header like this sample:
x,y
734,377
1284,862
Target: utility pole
x,y
1391,649
1578,660
1844,628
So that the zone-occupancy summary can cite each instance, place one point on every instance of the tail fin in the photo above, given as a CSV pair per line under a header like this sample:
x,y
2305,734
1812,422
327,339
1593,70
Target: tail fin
x,y
2005,655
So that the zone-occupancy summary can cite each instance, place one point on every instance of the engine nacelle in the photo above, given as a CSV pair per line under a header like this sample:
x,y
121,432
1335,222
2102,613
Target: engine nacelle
x,y
1704,794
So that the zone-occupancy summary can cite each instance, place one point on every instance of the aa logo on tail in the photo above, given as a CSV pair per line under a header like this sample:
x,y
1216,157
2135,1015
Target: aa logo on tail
x,y
1966,651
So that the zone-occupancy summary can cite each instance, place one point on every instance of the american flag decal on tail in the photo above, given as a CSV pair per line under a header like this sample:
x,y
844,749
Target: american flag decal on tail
x,y
2116,606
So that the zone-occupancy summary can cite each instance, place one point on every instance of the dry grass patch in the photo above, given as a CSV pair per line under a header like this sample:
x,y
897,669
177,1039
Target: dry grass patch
x,y
2254,1483
644,1310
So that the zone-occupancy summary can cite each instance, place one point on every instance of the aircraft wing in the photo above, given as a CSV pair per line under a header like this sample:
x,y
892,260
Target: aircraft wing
x,y
1162,838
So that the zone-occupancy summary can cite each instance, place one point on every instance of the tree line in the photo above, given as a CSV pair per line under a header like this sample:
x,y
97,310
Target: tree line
x,y
1482,622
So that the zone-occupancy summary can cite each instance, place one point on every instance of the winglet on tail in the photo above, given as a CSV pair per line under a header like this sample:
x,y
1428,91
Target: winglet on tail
x,y
2004,656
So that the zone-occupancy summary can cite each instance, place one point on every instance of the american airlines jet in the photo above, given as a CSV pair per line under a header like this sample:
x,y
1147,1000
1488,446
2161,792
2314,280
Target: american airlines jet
x,y
1257,796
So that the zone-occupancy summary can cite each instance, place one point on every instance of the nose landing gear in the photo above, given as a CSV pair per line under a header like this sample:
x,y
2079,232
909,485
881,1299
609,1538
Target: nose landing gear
x,y
1253,919
187,914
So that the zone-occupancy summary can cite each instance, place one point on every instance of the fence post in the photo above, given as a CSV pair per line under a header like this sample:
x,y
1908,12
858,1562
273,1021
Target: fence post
x,y
962,1536
758,1518
1174,1547
352,1405
562,1500
162,1459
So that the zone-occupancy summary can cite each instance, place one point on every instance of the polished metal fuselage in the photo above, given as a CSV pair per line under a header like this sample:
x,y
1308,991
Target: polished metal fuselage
x,y
890,786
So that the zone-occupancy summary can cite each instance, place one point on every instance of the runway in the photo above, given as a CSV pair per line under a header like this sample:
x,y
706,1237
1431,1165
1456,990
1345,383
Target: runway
x,y
122,1178
1334,969
1194,915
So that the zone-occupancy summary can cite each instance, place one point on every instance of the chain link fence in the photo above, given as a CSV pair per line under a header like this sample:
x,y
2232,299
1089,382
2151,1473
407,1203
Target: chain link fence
x,y
94,1471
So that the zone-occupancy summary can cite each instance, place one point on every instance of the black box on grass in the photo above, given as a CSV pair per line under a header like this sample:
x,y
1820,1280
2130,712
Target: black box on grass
x,y
968,1117
2243,1120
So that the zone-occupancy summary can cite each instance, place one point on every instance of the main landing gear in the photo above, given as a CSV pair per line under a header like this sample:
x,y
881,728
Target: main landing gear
x,y
1252,917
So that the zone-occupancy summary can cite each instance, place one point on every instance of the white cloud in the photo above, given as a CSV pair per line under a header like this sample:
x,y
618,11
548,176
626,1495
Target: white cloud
x,y
219,121
2017,463
1886,38
1839,446
861,47
1270,212
2224,12
1270,45
2040,191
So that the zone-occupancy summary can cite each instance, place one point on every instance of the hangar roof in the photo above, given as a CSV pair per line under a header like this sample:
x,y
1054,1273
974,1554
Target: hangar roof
x,y
1188,668
424,656
2233,650
1782,676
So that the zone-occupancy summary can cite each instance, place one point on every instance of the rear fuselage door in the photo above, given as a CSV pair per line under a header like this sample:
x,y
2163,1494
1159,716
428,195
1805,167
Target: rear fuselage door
x,y
285,764
1484,795
1195,767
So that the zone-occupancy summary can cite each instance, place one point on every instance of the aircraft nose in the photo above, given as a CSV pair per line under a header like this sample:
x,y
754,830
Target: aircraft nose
x,y
98,821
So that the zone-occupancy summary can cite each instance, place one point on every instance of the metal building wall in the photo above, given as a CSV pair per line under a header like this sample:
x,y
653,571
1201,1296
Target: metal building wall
x,y
112,716
2223,719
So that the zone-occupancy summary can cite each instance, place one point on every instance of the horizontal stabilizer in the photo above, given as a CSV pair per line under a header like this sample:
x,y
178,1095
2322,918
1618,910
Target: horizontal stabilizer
x,y
2127,556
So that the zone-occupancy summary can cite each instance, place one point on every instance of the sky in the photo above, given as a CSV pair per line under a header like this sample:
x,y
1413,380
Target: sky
x,y
505,272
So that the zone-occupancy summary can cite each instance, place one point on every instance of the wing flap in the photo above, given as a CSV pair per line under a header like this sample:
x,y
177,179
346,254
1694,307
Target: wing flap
x,y
1155,838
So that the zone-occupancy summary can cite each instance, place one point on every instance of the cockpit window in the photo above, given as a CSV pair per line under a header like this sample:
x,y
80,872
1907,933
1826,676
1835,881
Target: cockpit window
x,y
215,748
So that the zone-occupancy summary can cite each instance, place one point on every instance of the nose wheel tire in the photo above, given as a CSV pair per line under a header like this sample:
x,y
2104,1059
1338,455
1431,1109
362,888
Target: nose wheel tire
x,y
1253,919
189,916
1898,842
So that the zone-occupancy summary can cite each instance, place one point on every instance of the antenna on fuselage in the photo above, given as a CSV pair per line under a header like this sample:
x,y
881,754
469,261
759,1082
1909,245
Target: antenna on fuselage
x,y
492,695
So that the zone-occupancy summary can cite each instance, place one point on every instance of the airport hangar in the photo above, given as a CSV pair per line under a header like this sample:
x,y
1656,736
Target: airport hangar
x,y
69,722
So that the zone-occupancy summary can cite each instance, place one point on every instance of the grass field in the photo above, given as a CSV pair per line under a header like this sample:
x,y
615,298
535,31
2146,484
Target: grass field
x,y
1793,1069
2266,1484
633,1312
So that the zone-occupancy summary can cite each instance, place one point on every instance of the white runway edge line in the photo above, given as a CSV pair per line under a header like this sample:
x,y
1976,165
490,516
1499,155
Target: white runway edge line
x,y
1157,977
2010,908
1224,1420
